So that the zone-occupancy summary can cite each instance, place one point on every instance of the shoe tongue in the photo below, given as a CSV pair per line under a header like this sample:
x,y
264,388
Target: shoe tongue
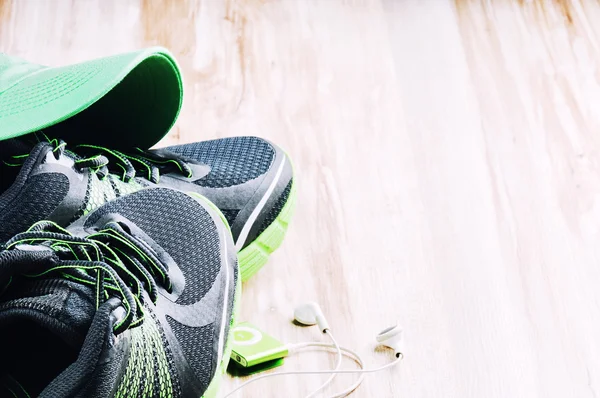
x,y
62,307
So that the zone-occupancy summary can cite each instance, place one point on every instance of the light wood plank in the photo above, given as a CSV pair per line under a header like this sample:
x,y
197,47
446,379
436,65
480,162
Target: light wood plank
x,y
447,158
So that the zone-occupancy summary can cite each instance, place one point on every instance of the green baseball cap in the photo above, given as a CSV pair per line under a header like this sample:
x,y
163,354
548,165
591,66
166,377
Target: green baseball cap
x,y
126,100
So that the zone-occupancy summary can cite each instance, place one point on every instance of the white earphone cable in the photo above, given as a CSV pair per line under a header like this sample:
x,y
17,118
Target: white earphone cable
x,y
355,356
348,353
337,365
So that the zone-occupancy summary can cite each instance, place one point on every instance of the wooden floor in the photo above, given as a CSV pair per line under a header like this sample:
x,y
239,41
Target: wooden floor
x,y
448,160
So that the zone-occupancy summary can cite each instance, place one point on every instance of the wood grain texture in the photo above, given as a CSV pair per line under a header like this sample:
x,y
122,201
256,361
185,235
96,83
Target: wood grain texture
x,y
448,160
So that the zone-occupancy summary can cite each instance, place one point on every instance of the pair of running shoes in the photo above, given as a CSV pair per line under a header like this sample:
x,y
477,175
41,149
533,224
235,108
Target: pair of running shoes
x,y
121,271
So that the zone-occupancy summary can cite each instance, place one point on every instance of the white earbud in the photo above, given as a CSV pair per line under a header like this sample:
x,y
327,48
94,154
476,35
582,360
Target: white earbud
x,y
392,337
310,314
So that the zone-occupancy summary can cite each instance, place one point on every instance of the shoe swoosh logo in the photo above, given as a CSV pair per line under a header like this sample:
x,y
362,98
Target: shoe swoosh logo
x,y
213,306
199,314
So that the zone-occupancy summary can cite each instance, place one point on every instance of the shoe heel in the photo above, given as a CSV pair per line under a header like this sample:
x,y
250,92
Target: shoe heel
x,y
254,256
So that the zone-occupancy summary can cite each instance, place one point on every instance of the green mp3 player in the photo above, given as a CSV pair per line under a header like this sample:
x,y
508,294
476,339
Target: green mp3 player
x,y
252,347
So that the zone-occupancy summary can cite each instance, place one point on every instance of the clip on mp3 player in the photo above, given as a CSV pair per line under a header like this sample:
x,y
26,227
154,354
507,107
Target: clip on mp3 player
x,y
254,350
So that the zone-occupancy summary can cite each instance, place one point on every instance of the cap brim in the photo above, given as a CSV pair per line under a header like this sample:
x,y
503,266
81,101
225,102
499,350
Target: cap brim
x,y
127,100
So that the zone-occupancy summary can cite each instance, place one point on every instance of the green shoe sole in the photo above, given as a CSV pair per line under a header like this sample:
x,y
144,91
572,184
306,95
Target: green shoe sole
x,y
254,256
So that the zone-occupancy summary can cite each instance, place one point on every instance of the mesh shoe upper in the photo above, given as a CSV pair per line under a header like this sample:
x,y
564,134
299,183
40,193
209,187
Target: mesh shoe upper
x,y
47,185
39,197
167,342
249,180
31,197
232,161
